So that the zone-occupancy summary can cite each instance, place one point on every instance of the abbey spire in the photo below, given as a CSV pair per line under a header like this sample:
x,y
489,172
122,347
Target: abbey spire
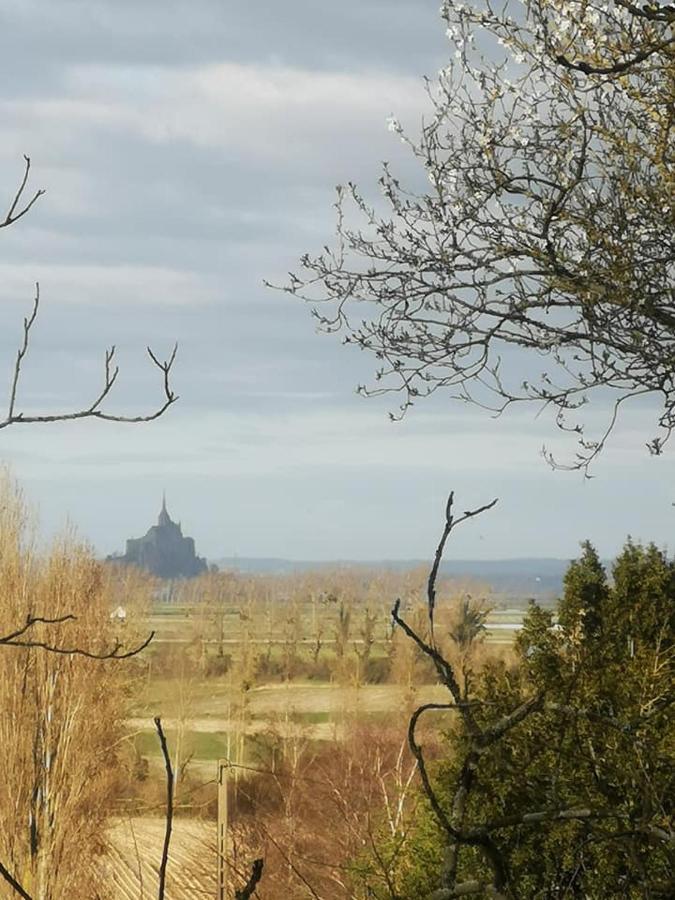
x,y
164,518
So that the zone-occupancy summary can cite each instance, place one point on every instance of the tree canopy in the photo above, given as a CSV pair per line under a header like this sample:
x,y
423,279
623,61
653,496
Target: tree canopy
x,y
547,222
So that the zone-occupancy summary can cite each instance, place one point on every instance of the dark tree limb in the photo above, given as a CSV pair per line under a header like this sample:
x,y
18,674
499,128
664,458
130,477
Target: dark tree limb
x,y
169,808
416,749
479,738
17,638
615,68
13,883
450,523
30,622
443,667
248,890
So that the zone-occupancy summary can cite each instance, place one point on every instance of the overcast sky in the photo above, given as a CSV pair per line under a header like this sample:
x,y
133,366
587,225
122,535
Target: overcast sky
x,y
190,150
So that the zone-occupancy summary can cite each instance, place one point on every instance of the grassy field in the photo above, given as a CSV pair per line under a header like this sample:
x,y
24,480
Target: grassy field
x,y
210,712
176,623
316,711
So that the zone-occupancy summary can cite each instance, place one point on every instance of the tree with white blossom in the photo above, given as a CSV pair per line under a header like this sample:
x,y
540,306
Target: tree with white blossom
x,y
547,222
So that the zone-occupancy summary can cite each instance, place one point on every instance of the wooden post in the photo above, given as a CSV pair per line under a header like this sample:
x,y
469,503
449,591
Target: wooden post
x,y
223,766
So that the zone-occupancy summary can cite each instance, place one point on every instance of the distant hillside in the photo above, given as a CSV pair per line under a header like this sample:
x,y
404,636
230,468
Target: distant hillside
x,y
518,579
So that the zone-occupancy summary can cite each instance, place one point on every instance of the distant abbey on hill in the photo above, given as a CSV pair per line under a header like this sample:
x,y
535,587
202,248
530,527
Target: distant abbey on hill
x,y
163,550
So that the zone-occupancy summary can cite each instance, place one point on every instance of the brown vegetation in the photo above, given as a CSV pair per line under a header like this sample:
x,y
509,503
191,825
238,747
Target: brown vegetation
x,y
316,812
61,713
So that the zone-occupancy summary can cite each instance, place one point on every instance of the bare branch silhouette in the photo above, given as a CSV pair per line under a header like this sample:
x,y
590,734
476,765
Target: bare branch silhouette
x,y
450,523
248,890
13,883
12,214
169,808
16,211
93,411
18,638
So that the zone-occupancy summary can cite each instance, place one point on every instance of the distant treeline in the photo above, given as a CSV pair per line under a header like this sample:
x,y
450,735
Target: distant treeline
x,y
520,579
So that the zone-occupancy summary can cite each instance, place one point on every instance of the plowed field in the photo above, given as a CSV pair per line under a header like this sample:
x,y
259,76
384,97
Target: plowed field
x,y
136,850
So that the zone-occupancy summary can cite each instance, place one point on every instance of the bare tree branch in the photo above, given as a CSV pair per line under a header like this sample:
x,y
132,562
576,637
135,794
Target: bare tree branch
x,y
16,639
248,890
479,738
169,808
13,883
17,210
450,523
31,621
12,214
93,411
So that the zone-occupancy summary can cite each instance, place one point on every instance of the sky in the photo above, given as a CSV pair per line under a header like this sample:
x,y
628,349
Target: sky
x,y
189,151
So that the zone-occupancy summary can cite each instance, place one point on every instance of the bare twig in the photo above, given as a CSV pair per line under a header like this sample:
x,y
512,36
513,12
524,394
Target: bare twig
x,y
31,621
169,808
21,352
450,523
12,214
16,211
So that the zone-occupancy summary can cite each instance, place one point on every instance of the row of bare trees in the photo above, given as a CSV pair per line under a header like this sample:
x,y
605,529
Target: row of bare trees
x,y
324,625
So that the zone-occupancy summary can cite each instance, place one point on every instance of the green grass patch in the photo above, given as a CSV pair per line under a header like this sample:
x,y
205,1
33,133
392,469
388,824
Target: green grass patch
x,y
202,745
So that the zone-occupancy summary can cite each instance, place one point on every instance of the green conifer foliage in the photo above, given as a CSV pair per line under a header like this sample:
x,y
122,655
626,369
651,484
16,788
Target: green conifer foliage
x,y
578,797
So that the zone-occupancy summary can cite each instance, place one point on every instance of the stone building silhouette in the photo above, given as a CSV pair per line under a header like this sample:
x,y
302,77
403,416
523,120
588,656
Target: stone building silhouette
x,y
163,550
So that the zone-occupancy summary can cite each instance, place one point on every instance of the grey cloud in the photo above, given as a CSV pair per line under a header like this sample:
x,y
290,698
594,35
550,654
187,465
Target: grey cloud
x,y
392,34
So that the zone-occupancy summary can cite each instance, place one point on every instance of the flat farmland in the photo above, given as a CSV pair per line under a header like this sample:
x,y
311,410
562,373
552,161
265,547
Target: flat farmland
x,y
210,715
314,712
210,698
178,624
